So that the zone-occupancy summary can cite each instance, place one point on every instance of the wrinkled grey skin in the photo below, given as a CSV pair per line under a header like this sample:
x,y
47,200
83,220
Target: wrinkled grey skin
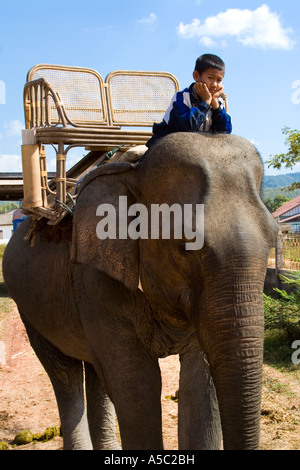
x,y
80,301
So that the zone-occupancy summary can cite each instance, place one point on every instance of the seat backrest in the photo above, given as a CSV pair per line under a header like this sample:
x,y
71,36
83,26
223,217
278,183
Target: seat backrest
x,y
80,89
126,98
139,98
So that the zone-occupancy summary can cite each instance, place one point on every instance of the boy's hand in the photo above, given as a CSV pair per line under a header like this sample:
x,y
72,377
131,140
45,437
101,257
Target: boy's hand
x,y
216,96
203,92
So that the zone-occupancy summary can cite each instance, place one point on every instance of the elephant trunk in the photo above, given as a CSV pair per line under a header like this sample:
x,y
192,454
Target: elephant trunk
x,y
232,331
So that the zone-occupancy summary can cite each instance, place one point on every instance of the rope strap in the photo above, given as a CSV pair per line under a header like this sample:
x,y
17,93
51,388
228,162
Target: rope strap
x,y
109,154
65,206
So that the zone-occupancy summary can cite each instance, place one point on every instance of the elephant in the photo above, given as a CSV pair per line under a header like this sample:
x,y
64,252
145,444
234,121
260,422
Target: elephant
x,y
100,311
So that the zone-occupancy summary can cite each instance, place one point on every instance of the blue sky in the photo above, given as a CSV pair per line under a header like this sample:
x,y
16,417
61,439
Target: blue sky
x,y
258,40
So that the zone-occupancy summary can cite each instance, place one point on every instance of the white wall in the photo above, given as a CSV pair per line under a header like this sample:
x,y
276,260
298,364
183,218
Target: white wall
x,y
6,233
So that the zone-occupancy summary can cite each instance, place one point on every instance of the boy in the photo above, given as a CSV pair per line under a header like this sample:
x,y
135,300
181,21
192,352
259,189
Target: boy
x,y
200,107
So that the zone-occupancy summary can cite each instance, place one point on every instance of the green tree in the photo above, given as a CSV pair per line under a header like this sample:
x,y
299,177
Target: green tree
x,y
8,206
284,311
292,156
278,201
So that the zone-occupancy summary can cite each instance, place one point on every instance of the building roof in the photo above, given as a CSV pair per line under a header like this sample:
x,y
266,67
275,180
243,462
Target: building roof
x,y
6,219
11,186
293,218
287,207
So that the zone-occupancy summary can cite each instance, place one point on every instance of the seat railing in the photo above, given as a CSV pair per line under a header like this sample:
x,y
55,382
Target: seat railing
x,y
37,105
70,107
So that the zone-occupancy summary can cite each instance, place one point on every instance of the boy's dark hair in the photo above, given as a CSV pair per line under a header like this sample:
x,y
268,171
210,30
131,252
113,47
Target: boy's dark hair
x,y
207,61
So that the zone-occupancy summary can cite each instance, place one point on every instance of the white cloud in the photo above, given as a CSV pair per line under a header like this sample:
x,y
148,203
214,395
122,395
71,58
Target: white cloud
x,y
257,28
13,128
149,19
207,41
13,162
10,163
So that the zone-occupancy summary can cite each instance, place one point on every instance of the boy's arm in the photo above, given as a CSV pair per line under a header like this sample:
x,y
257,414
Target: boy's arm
x,y
221,121
183,118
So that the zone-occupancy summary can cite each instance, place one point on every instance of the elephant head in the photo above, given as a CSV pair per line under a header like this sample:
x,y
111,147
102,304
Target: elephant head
x,y
215,284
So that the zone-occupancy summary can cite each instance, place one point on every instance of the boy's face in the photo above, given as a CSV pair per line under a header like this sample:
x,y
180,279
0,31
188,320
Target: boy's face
x,y
211,77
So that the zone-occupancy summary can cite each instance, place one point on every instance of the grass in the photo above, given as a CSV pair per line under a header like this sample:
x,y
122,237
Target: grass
x,y
278,349
280,417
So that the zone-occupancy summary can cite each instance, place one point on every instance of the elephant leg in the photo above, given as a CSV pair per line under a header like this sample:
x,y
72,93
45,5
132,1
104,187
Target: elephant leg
x,y
66,375
132,379
100,412
137,398
199,425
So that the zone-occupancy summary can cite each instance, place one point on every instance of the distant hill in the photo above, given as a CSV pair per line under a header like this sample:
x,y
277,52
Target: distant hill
x,y
280,181
272,185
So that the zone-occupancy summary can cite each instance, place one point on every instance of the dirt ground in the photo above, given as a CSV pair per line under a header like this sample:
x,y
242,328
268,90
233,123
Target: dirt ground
x,y
27,400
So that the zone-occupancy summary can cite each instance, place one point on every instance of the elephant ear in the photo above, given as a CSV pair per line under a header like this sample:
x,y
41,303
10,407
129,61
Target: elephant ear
x,y
98,195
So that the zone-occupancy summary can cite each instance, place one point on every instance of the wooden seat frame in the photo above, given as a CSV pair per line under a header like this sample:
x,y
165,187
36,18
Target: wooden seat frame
x,y
130,99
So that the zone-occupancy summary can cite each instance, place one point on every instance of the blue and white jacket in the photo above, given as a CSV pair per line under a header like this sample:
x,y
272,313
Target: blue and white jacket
x,y
187,113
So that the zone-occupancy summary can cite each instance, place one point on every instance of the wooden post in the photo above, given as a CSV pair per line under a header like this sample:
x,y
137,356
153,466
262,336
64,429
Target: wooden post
x,y
61,174
44,176
31,176
279,251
